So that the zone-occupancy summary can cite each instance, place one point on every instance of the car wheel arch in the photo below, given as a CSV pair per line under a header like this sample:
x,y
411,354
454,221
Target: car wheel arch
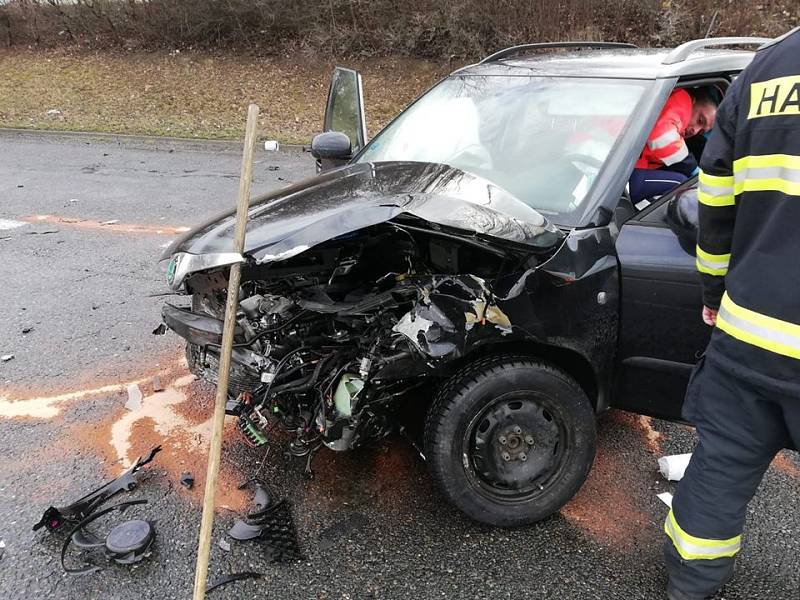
x,y
568,360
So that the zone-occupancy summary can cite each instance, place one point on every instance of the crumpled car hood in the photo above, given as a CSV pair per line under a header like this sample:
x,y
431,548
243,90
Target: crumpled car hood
x,y
287,222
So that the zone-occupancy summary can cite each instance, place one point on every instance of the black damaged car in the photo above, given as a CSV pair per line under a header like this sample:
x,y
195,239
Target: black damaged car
x,y
477,271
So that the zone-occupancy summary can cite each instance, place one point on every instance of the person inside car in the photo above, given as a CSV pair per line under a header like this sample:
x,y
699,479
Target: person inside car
x,y
666,160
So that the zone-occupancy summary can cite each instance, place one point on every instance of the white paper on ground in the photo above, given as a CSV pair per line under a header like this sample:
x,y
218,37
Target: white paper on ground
x,y
666,498
674,466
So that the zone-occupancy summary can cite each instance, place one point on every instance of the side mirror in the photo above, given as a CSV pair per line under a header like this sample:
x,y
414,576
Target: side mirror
x,y
331,149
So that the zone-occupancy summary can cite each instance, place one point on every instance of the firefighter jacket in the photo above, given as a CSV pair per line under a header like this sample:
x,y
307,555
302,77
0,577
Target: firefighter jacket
x,y
665,145
748,250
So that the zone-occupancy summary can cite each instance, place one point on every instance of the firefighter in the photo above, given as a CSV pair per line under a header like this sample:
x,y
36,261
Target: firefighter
x,y
744,396
665,161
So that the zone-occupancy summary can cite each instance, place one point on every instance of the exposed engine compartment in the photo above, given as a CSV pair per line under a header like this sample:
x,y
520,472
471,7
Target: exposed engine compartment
x,y
330,342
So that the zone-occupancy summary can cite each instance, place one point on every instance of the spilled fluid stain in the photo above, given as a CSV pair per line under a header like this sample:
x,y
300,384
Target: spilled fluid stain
x,y
180,421
178,418
652,437
784,463
112,225
606,508
169,424
48,407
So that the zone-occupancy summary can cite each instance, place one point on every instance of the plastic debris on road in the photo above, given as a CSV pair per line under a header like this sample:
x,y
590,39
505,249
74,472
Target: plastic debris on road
x,y
187,479
666,498
226,579
134,398
225,545
674,466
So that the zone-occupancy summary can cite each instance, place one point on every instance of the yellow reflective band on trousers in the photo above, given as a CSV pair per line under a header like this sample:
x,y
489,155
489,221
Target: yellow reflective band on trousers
x,y
695,548
767,173
781,337
712,264
715,190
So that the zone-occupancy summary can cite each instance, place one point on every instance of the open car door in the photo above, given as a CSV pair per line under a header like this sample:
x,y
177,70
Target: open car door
x,y
662,333
344,130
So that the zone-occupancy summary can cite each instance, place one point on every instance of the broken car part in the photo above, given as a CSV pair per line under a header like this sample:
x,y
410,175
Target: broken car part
x,y
187,479
274,528
226,579
127,543
271,524
53,518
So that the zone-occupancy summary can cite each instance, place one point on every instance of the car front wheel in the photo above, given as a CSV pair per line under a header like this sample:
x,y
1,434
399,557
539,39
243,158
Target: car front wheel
x,y
510,440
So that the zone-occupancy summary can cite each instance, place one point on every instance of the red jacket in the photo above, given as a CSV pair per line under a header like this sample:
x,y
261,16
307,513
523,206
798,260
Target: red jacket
x,y
665,145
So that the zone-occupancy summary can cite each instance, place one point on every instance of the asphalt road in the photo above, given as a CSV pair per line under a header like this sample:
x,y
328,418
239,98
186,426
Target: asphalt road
x,y
78,307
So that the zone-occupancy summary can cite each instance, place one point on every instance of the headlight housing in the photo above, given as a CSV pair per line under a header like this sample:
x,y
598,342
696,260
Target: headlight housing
x,y
182,264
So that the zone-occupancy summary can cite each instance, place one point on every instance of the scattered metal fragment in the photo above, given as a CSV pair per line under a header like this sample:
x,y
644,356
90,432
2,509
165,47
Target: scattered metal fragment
x,y
54,518
273,168
187,479
134,397
110,222
157,386
127,543
6,357
226,579
224,544
26,330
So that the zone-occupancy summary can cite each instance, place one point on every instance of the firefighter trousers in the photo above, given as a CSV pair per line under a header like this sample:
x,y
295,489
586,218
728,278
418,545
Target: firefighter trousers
x,y
740,428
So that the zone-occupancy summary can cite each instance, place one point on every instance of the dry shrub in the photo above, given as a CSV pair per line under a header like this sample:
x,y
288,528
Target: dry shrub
x,y
461,28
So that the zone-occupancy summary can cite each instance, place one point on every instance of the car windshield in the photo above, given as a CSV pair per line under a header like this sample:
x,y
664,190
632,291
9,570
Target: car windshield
x,y
543,139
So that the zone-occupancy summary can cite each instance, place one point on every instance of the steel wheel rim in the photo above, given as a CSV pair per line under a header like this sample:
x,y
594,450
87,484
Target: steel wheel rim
x,y
499,471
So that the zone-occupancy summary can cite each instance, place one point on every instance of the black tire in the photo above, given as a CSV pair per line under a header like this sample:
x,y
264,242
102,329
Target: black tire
x,y
491,413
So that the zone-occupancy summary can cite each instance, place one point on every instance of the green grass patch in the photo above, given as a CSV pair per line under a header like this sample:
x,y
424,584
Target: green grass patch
x,y
192,94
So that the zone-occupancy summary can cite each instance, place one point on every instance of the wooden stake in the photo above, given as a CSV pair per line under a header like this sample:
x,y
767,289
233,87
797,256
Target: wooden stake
x,y
214,451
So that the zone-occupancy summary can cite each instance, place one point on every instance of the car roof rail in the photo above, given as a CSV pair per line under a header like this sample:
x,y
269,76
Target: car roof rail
x,y
505,53
682,52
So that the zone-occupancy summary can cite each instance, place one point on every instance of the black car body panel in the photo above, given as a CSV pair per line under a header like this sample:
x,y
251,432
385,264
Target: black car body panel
x,y
284,223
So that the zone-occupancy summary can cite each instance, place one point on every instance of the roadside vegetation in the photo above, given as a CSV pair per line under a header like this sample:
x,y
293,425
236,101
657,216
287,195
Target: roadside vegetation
x,y
191,93
189,67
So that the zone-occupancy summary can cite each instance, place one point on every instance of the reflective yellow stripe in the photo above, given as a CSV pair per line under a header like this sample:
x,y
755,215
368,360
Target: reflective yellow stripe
x,y
759,330
787,161
767,173
716,180
709,200
695,548
715,190
712,264
775,184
